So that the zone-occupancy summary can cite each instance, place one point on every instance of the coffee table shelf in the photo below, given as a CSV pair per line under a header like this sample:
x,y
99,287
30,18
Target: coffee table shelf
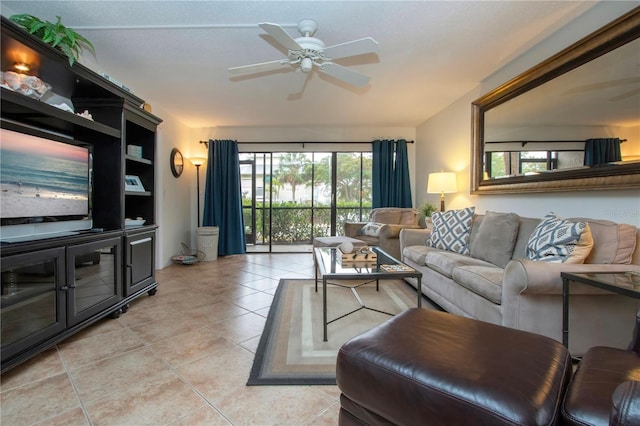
x,y
329,263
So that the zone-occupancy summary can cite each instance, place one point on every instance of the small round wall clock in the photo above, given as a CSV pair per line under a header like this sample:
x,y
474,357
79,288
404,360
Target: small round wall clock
x,y
176,162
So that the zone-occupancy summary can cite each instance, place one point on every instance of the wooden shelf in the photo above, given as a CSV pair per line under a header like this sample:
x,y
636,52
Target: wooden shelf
x,y
138,160
138,193
23,109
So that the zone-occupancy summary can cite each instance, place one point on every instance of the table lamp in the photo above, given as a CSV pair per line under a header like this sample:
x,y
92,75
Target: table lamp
x,y
443,183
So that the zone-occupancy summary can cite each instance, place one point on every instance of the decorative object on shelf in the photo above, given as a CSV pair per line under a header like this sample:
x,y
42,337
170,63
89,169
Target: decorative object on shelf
x,y
443,183
134,151
133,183
346,247
147,107
198,161
27,85
57,35
362,254
85,114
176,161
138,221
189,256
396,268
114,81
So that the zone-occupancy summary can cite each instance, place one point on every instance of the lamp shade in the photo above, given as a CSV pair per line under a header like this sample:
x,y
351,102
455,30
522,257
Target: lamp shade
x,y
197,161
441,183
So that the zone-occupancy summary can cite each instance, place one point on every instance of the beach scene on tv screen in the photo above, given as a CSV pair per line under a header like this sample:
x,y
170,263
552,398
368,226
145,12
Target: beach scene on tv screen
x,y
42,178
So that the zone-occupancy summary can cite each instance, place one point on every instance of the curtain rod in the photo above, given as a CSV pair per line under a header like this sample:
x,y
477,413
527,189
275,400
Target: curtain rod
x,y
206,143
526,142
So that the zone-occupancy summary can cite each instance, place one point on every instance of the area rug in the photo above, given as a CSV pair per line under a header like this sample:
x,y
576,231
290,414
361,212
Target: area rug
x,y
291,350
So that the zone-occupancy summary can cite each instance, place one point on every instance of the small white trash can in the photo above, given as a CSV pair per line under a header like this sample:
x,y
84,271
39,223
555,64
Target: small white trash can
x,y
207,241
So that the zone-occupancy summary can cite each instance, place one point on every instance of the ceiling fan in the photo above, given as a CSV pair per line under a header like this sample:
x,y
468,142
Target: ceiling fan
x,y
307,52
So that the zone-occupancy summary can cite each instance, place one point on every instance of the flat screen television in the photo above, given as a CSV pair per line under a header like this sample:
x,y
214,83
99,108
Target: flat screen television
x,y
46,185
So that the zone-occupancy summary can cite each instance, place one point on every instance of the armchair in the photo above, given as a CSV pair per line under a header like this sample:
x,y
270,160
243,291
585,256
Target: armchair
x,y
383,228
605,389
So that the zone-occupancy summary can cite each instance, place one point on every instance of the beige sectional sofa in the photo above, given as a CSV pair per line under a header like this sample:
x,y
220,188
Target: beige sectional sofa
x,y
496,283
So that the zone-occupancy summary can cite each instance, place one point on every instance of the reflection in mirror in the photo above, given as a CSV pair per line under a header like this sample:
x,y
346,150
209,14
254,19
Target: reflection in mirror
x,y
536,127
600,99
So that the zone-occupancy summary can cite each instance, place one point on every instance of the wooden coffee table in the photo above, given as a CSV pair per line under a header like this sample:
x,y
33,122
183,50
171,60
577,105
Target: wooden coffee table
x,y
329,264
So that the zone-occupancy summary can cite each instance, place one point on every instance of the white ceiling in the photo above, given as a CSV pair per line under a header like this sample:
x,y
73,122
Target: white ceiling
x,y
431,53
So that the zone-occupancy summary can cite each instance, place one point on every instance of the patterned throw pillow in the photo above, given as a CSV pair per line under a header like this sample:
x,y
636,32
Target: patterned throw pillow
x,y
451,230
555,239
371,229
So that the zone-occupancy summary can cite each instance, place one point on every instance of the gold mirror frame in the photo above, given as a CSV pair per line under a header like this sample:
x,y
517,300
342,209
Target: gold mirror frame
x,y
624,176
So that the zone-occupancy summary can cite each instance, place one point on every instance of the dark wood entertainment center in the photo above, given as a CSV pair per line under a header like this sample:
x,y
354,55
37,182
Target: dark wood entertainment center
x,y
54,287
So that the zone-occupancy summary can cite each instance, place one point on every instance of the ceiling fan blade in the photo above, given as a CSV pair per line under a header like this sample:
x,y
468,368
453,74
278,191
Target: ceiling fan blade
x,y
345,74
351,48
261,67
297,82
281,36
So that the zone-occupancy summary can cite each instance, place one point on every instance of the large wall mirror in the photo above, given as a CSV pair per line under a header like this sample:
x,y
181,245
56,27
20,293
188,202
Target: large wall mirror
x,y
533,132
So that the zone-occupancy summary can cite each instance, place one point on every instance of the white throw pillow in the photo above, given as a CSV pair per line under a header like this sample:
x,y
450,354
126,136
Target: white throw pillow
x,y
371,229
557,240
451,230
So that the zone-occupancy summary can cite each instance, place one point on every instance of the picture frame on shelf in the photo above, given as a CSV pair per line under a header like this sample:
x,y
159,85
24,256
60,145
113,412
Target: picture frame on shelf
x,y
133,183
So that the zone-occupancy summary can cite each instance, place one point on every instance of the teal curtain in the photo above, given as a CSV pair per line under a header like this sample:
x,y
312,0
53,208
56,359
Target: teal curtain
x,y
223,197
401,183
601,151
382,173
390,174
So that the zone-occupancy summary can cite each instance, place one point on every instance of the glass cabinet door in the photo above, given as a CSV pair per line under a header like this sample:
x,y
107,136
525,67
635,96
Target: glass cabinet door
x,y
95,278
33,300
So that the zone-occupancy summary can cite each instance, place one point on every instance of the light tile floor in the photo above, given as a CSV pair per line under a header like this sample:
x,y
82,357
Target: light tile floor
x,y
181,357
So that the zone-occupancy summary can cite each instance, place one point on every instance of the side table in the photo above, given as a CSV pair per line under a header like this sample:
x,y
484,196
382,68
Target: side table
x,y
624,283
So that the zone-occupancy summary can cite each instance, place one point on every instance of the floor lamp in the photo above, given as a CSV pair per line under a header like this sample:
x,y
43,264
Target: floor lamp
x,y
198,161
443,183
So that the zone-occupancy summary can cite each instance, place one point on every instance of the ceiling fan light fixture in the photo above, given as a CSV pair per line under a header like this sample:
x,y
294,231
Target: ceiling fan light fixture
x,y
307,52
306,64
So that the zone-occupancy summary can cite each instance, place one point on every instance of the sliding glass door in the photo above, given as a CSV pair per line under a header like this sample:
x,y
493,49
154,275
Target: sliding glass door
x,y
289,198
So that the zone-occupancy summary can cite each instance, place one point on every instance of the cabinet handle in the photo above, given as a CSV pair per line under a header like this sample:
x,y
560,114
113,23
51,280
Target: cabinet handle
x,y
64,288
141,241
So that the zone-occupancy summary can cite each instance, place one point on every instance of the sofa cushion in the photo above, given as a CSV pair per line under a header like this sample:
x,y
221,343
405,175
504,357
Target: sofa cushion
x,y
485,281
418,254
583,248
369,240
451,230
371,229
495,238
444,262
612,242
409,217
525,229
385,215
555,239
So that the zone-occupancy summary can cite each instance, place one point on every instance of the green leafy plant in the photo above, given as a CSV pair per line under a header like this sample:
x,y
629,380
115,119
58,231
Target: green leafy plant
x,y
57,35
428,209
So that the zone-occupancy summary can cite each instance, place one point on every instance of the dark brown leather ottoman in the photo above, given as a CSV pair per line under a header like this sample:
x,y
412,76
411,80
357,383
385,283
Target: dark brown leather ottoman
x,y
590,397
429,367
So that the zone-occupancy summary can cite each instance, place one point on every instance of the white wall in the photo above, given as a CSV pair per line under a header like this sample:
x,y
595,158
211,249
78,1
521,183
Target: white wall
x,y
444,142
175,197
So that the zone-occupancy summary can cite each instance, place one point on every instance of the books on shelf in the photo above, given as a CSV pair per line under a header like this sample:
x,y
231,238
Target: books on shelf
x,y
134,151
